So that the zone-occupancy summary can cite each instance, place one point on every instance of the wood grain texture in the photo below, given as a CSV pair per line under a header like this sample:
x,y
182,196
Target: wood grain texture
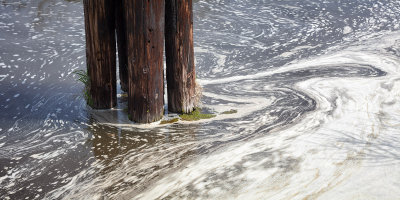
x,y
100,52
181,75
145,40
122,47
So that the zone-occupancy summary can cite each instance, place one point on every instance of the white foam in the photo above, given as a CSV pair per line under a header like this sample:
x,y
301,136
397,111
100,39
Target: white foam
x,y
347,30
352,152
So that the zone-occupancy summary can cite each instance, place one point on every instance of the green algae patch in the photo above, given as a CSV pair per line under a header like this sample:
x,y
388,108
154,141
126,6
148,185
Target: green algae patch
x,y
170,121
196,115
229,112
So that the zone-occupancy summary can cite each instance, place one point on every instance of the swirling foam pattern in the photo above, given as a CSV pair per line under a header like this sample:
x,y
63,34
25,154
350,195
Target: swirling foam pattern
x,y
316,86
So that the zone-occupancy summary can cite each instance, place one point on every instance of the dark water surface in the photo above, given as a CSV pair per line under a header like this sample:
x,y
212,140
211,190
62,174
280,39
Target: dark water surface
x,y
315,83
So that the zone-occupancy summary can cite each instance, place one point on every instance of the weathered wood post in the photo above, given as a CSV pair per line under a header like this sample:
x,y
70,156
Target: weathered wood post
x,y
121,41
181,75
100,52
145,40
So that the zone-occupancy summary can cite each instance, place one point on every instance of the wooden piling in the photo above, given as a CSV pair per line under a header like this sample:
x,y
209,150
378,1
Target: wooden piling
x,y
181,74
145,39
100,52
121,41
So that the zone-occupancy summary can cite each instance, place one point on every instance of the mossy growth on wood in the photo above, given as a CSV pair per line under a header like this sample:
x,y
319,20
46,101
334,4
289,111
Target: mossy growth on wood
x,y
84,78
232,111
196,115
169,121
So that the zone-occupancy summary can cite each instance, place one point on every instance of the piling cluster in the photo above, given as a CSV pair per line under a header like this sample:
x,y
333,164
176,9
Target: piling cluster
x,y
140,28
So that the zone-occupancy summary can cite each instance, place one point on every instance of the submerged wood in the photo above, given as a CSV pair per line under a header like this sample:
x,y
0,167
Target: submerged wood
x,y
145,43
100,52
181,76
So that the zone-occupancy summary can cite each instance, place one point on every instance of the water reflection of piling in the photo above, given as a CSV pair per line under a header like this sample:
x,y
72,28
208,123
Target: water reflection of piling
x,y
110,142
132,158
140,26
112,145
